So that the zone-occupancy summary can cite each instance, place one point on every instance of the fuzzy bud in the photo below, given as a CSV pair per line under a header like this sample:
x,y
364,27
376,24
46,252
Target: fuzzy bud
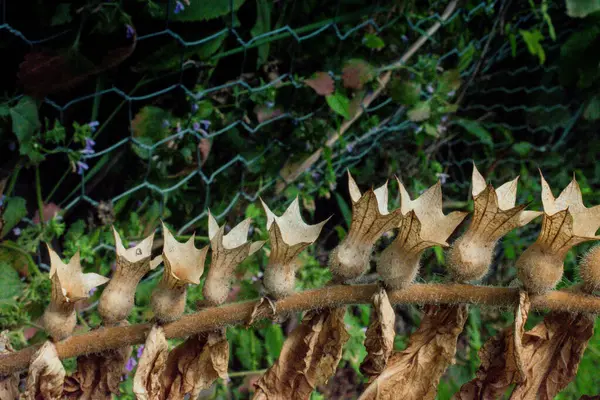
x,y
589,270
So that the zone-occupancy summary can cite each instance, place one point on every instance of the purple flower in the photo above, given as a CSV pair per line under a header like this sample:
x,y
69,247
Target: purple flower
x,y
140,350
178,127
445,118
89,146
129,31
93,125
205,123
93,290
442,177
430,89
349,147
12,146
2,197
195,107
451,93
17,231
131,363
138,204
166,123
132,244
196,126
404,38
315,175
179,7
301,185
270,104
81,166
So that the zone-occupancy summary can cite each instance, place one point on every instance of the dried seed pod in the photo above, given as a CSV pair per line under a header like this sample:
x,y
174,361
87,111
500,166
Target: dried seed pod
x,y
228,251
370,219
69,285
46,375
184,264
423,225
117,299
495,214
9,384
589,270
566,222
289,235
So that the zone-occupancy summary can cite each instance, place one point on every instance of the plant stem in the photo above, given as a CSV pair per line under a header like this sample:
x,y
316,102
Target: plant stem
x,y
33,268
38,192
107,338
246,373
13,180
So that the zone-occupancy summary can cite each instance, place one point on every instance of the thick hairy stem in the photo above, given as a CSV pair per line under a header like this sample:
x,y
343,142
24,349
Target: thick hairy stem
x,y
230,314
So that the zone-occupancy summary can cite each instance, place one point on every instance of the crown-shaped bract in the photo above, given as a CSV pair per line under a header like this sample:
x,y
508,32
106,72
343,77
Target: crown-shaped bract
x,y
228,251
135,254
289,236
370,219
566,222
495,214
423,225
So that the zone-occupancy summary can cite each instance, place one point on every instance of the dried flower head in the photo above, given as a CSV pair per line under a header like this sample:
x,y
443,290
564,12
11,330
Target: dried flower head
x,y
566,222
423,225
69,285
370,219
132,264
495,214
184,264
228,251
289,235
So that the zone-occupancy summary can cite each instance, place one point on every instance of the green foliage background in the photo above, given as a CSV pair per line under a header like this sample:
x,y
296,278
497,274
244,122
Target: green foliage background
x,y
512,86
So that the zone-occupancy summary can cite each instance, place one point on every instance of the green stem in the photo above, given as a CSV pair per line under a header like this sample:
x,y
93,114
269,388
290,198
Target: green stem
x,y
38,192
13,180
97,98
245,373
33,268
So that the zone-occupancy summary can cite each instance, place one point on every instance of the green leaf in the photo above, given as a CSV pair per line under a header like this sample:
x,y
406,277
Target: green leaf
x,y
249,350
475,128
522,148
273,341
262,26
592,109
533,40
25,124
373,41
582,8
431,130
14,212
339,103
466,58
202,10
10,284
405,93
345,210
420,112
62,15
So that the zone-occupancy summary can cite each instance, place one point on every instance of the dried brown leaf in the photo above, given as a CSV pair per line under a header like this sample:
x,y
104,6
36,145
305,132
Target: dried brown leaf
x,y
9,385
322,83
356,73
379,340
147,379
195,364
414,373
46,375
501,360
308,358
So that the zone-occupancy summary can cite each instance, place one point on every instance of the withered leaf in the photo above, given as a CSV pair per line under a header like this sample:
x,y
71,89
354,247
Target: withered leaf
x,y
501,360
322,83
308,358
46,375
356,73
147,379
414,373
9,385
379,340
195,364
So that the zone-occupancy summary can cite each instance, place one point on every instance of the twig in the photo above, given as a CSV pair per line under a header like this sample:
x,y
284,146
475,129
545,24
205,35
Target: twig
x,y
104,338
290,173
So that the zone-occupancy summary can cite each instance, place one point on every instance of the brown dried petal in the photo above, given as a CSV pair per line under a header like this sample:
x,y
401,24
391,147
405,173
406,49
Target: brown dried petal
x,y
308,358
379,340
9,385
195,364
147,379
322,83
501,360
413,374
46,375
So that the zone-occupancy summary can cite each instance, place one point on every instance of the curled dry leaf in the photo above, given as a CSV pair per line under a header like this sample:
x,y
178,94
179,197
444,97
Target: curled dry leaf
x,y
184,264
423,225
117,298
379,340
69,285
195,364
46,375
322,83
566,222
309,357
370,219
495,214
414,373
98,375
147,379
9,385
289,236
501,360
228,251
